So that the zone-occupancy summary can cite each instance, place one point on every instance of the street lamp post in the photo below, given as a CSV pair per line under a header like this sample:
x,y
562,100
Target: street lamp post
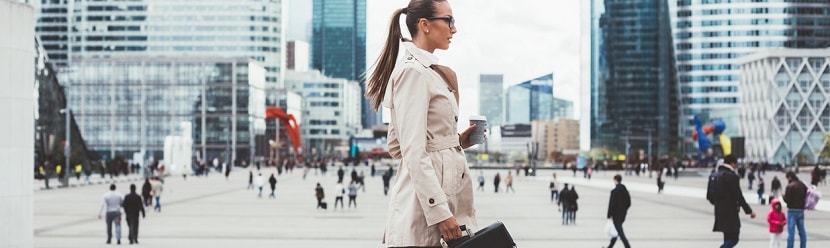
x,y
67,150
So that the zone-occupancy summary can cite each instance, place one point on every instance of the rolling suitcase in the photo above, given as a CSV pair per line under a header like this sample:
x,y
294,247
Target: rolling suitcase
x,y
493,236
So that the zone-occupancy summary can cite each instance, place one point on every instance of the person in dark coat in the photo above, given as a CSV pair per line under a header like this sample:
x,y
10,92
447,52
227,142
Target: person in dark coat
x,y
775,187
340,174
795,196
727,199
618,206
273,181
132,206
565,203
145,193
573,197
496,182
387,176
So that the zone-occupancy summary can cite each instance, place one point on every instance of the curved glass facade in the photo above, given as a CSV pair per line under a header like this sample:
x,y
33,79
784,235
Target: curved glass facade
x,y
709,35
131,104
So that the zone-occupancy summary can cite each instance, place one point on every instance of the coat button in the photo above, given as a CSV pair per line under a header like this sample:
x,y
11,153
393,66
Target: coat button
x,y
431,201
456,118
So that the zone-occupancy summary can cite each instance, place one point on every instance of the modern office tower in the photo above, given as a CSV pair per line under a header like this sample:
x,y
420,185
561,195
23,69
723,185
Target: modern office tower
x,y
338,45
490,98
331,110
785,104
710,36
563,108
77,30
633,82
129,105
530,100
297,55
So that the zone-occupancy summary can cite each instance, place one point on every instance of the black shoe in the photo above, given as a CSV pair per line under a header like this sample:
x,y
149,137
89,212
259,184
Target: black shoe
x,y
119,242
136,241
108,242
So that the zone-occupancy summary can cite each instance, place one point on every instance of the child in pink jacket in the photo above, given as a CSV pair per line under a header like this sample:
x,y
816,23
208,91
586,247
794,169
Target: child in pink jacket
x,y
777,220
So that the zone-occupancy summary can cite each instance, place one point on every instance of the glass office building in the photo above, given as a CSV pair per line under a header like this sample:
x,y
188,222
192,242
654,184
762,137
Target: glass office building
x,y
633,82
529,101
75,30
130,104
491,98
338,45
710,35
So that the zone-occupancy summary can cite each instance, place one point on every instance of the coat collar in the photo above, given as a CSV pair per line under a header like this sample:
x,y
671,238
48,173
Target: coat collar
x,y
422,56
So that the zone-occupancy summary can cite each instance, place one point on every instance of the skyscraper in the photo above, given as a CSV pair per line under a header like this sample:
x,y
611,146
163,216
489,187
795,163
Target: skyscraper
x,y
530,100
338,44
490,98
633,76
75,30
711,35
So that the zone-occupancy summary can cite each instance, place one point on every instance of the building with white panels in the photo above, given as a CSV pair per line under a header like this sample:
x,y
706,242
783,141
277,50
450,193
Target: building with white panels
x,y
785,110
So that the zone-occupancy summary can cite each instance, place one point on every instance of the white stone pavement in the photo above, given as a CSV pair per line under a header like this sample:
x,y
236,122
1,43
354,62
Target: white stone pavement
x,y
213,212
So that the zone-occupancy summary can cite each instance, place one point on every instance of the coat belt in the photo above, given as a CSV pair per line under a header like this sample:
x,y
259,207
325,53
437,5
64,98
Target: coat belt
x,y
441,143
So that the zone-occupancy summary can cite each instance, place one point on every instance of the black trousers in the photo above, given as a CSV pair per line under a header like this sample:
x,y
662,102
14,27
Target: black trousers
x,y
620,234
132,222
148,200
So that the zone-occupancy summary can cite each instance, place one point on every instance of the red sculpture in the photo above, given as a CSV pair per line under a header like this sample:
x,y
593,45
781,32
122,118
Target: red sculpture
x,y
290,123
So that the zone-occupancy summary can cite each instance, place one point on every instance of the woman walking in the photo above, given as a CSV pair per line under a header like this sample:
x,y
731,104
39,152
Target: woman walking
x,y
433,195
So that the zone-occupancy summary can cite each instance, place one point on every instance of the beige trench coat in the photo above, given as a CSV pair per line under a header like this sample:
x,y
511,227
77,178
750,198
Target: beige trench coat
x,y
433,182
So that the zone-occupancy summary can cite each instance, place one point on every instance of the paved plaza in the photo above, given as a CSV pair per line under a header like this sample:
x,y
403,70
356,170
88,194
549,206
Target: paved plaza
x,y
215,212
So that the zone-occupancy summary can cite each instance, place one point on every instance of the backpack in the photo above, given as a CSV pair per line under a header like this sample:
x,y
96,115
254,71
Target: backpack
x,y
552,185
813,196
712,189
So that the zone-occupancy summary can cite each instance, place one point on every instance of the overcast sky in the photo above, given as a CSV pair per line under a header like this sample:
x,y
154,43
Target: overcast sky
x,y
522,39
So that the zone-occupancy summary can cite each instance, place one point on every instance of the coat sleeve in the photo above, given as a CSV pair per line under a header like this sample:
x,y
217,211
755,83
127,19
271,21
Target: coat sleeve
x,y
611,204
735,185
411,100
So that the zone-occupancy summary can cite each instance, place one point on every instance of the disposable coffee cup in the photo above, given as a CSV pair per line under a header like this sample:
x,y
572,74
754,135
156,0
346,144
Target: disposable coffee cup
x,y
477,136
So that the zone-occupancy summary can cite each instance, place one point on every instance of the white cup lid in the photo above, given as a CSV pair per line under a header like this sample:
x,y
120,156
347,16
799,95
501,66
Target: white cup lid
x,y
478,118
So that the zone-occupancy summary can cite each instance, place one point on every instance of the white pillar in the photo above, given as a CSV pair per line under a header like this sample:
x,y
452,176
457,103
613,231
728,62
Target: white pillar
x,y
17,77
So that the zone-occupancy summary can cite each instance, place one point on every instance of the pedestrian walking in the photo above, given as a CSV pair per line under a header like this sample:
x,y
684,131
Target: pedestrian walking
x,y
726,195
145,192
79,168
554,193
250,180
260,182
360,182
750,177
777,220
318,192
565,204
339,192
660,183
340,174
618,205
434,190
387,177
481,181
573,197
353,194
273,182
815,176
795,196
496,181
775,187
156,189
112,203
508,183
761,190
132,206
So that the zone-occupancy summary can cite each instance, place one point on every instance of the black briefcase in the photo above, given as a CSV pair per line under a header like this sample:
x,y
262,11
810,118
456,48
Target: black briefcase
x,y
493,236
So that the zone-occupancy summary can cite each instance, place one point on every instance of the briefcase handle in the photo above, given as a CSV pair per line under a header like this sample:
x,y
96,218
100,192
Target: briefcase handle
x,y
463,229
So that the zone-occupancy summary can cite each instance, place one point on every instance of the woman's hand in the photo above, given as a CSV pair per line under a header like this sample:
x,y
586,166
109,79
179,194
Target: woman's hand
x,y
465,137
449,229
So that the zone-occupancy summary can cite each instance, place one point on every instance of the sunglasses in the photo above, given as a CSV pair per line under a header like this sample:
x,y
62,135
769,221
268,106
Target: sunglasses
x,y
450,20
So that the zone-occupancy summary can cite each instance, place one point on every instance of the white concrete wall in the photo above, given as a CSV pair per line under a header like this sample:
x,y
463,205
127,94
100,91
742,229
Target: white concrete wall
x,y
17,76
